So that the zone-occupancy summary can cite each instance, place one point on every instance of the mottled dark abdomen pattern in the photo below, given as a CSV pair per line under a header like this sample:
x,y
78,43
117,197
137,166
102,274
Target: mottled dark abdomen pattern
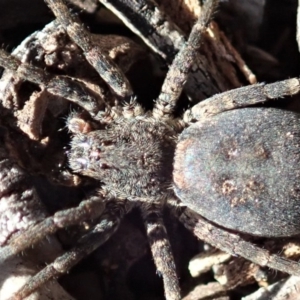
x,y
240,169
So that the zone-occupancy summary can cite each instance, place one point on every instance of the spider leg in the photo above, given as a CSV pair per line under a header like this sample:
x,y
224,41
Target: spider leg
x,y
106,68
161,250
155,27
69,88
97,236
88,209
182,63
241,97
233,243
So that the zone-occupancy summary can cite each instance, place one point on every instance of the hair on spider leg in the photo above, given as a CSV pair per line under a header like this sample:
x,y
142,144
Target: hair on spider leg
x,y
75,122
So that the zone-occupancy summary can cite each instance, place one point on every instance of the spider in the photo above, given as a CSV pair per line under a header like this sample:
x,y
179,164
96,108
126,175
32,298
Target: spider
x,y
147,160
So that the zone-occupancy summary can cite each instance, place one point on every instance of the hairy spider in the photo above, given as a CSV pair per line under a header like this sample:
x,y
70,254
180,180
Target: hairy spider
x,y
226,167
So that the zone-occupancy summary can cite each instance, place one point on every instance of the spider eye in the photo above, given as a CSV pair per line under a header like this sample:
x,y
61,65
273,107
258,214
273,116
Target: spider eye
x,y
79,164
104,166
95,154
80,142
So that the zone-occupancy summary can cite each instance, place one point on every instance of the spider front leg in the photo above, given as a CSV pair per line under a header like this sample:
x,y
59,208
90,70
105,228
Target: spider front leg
x,y
161,250
98,235
106,68
88,209
69,88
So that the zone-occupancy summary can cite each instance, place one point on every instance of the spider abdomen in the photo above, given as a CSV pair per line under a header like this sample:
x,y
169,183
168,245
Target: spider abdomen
x,y
240,169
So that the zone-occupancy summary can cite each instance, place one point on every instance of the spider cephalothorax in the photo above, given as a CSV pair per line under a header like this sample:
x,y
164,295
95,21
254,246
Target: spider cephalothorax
x,y
132,157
